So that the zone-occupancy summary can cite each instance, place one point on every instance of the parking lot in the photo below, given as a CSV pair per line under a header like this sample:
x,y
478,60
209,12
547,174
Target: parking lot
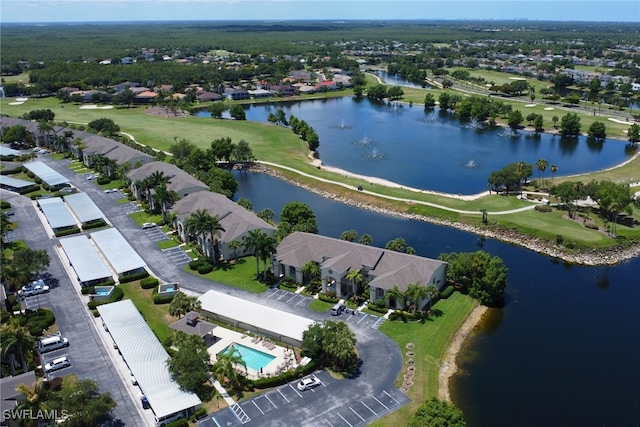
x,y
275,407
176,254
287,297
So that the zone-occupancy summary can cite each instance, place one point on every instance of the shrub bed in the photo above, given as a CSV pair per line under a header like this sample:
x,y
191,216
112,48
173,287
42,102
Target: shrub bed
x,y
205,268
377,309
285,377
132,277
200,413
289,285
182,422
116,295
88,290
100,223
102,180
67,232
148,283
161,299
543,208
447,292
4,204
328,298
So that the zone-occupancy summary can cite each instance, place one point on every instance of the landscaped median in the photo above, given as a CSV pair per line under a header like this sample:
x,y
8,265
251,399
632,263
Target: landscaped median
x,y
430,338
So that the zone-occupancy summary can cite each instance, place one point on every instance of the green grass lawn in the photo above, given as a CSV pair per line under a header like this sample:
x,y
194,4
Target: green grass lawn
x,y
320,306
166,244
241,275
431,339
156,315
141,217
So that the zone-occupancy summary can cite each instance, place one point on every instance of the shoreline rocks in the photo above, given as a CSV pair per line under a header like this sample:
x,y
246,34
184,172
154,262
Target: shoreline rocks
x,y
589,257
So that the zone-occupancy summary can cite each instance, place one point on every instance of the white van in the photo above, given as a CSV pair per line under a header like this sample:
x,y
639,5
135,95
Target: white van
x,y
52,343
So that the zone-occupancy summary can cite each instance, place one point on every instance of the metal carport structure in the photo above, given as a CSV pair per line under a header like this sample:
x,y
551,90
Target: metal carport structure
x,y
89,266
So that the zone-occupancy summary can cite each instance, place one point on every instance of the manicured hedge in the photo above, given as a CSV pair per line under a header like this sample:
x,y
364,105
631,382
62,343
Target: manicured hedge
x,y
163,299
132,277
329,298
102,180
73,230
96,224
116,295
447,292
285,377
148,283
182,422
205,268
377,309
11,171
200,413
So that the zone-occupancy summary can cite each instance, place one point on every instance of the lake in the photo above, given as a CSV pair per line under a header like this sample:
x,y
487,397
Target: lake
x,y
563,351
432,150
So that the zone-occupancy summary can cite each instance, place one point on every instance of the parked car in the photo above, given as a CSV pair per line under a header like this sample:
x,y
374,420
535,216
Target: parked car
x,y
308,383
52,343
144,401
134,381
148,225
337,309
110,190
36,287
55,364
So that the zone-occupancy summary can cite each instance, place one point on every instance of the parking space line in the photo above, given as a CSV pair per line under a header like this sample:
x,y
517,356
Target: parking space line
x,y
356,413
327,421
292,298
256,405
365,405
304,299
285,397
293,388
363,317
391,397
350,425
267,397
376,399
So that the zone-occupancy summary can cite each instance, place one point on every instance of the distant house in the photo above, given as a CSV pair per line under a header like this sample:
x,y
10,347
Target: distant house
x,y
236,221
383,269
125,85
236,94
204,96
145,97
283,90
260,93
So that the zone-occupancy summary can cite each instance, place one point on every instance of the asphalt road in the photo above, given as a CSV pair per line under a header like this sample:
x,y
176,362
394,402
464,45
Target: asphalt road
x,y
381,357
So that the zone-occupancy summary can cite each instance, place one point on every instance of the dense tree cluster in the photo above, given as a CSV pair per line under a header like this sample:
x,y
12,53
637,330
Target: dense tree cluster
x,y
189,364
436,413
332,344
510,178
480,274
302,128
296,216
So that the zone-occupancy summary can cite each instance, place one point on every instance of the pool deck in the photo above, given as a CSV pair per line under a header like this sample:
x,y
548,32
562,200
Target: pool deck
x,y
284,358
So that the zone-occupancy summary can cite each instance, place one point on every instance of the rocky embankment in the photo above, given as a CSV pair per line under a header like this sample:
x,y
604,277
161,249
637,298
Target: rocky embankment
x,y
608,256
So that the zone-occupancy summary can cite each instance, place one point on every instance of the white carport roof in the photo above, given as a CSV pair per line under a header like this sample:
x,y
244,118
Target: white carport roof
x,y
85,259
146,358
56,213
266,318
14,182
83,207
46,174
117,251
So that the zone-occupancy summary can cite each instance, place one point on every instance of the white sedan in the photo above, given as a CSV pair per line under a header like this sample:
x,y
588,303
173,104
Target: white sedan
x,y
148,225
308,383
55,364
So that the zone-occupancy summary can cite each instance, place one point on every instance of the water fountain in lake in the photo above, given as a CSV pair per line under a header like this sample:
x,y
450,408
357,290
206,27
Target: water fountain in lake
x,y
474,124
471,164
374,155
364,141
343,125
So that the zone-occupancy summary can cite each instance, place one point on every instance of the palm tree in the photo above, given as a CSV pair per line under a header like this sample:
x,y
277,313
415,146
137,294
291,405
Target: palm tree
x,y
45,128
252,243
397,295
267,247
34,398
355,276
235,245
415,292
432,293
157,178
163,198
541,165
310,271
17,341
225,367
553,170
202,223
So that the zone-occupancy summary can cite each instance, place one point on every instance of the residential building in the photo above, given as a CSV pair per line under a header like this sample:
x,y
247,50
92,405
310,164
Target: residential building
x,y
382,269
236,221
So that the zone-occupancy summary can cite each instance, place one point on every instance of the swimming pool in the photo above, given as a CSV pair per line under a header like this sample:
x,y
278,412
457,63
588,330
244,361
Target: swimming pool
x,y
255,359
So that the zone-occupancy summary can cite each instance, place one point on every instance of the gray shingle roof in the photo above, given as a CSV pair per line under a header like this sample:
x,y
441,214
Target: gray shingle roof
x,y
388,268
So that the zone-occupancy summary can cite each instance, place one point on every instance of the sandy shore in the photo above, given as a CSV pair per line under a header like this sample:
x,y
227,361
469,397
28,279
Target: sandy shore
x,y
449,367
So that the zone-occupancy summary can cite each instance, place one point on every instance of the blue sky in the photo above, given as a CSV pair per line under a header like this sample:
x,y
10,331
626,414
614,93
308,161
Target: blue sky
x,y
169,10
